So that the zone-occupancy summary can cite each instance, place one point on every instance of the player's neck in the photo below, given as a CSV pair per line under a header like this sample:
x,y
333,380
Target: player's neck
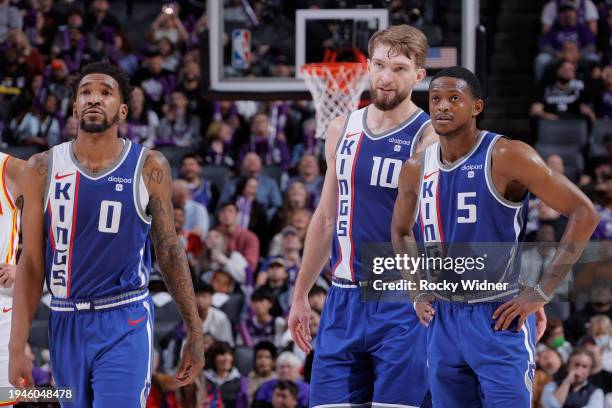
x,y
380,121
456,145
97,148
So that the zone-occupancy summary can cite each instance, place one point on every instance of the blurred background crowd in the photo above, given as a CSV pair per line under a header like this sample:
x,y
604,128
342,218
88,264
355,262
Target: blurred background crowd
x,y
249,174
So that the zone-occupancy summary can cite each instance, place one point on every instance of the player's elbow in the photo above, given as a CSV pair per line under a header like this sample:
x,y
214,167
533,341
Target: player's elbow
x,y
587,216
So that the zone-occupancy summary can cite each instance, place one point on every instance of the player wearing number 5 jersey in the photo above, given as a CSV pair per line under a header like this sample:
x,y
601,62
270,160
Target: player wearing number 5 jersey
x,y
10,203
367,353
472,186
89,207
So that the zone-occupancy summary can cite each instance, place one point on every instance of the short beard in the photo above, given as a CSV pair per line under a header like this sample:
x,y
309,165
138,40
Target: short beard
x,y
98,127
387,104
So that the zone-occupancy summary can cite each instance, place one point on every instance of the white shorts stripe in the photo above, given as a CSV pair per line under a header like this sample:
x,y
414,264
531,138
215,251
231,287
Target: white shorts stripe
x,y
147,382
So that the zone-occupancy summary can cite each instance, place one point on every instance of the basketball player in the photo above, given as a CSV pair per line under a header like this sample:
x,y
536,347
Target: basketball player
x,y
472,186
363,349
89,206
10,204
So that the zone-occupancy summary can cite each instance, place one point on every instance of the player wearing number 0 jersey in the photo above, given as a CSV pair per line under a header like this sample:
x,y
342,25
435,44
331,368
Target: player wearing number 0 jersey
x,y
366,353
99,198
10,203
472,186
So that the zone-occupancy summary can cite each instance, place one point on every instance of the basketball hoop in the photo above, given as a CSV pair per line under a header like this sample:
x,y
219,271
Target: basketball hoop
x,y
335,88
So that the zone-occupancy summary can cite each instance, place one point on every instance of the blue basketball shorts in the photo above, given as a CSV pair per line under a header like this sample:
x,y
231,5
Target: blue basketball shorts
x,y
368,353
105,355
472,365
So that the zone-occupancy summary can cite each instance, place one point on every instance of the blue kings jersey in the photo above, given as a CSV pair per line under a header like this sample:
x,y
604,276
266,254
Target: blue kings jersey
x,y
458,203
96,226
368,168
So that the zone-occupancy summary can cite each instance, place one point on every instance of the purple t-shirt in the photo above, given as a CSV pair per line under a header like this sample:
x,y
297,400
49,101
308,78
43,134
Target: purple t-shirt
x,y
604,228
266,390
557,36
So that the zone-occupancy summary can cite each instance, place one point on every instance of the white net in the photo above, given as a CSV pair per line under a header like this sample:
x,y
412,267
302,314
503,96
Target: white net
x,y
335,88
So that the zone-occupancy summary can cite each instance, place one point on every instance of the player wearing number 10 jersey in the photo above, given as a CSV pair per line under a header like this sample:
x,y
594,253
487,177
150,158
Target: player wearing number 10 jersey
x,y
99,198
366,353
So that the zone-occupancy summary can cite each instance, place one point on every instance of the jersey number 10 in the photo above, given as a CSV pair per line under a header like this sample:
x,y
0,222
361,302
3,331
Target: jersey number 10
x,y
380,174
110,216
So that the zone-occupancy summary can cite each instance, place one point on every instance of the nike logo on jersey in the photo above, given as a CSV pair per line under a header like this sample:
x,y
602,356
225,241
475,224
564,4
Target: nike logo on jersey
x,y
352,134
6,309
429,175
135,322
58,177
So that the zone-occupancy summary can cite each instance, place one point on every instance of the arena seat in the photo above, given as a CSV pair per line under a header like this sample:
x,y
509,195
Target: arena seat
x,y
167,313
161,330
22,152
274,172
216,174
601,129
233,307
174,154
567,132
572,158
243,359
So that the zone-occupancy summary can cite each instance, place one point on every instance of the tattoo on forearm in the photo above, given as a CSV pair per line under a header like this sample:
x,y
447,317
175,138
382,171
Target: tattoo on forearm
x,y
172,261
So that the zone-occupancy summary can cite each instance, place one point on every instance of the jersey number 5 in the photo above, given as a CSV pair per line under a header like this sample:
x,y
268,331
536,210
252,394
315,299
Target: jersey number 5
x,y
463,205
110,216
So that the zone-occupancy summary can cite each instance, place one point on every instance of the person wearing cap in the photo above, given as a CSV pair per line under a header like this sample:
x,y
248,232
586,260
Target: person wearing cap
x,y
262,326
277,283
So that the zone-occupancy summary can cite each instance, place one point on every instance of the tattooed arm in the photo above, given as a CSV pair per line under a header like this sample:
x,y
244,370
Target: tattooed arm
x,y
30,270
173,262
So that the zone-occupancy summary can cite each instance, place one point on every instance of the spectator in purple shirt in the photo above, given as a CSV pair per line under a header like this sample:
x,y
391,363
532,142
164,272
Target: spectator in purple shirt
x,y
288,367
566,29
271,149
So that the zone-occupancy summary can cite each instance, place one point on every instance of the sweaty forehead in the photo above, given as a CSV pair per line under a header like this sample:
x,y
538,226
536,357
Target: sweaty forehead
x,y
449,84
99,79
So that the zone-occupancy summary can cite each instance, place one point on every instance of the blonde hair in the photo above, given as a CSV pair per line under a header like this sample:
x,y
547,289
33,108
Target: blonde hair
x,y
404,40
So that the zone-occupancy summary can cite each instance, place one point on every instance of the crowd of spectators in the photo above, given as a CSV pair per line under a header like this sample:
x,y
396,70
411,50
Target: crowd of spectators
x,y
244,237
573,74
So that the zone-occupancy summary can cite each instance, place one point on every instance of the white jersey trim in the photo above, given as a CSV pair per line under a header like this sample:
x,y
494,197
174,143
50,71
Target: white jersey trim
x,y
450,167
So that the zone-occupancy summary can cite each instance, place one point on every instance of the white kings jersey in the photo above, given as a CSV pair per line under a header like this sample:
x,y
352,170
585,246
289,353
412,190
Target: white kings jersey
x,y
9,222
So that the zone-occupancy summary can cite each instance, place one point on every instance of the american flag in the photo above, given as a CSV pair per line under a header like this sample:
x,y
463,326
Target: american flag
x,y
441,57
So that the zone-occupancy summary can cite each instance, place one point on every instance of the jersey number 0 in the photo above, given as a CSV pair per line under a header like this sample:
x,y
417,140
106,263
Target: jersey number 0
x,y
110,216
